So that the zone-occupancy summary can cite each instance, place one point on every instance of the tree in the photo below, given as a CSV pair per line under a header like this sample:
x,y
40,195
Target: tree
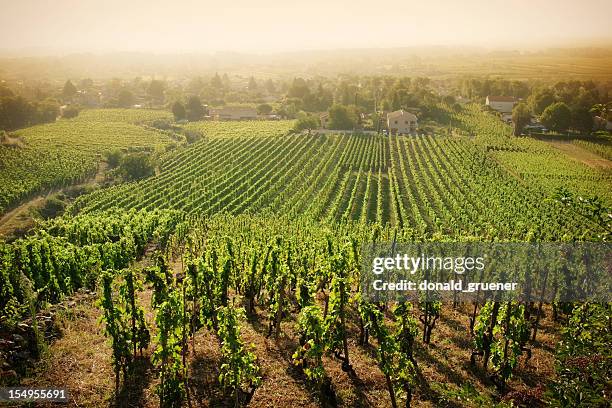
x,y
69,90
264,109
298,89
269,84
178,110
540,99
306,122
113,157
340,117
70,112
155,90
557,117
136,166
581,119
47,111
15,112
125,99
520,117
194,109
601,109
192,136
216,82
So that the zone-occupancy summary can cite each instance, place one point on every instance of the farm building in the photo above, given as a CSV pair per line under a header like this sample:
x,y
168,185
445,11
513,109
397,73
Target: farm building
x,y
401,122
502,104
233,113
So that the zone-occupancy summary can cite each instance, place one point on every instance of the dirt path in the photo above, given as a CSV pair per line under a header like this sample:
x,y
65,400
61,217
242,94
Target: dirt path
x,y
582,155
20,218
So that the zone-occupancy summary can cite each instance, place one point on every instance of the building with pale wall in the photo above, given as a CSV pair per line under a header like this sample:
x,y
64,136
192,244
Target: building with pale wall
x,y
401,121
233,113
502,104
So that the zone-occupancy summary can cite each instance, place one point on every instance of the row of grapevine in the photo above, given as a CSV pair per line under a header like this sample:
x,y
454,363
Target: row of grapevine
x,y
68,253
430,185
59,154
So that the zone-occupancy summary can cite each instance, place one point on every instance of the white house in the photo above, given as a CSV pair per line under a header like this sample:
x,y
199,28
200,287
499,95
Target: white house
x,y
502,104
401,122
233,113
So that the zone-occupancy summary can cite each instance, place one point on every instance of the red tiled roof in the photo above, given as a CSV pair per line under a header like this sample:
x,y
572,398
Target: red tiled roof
x,y
501,98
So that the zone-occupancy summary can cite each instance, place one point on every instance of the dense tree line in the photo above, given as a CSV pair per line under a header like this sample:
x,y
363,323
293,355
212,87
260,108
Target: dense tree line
x,y
17,112
567,105
301,97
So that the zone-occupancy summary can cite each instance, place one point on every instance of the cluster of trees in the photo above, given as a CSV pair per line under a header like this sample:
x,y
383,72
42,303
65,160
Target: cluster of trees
x,y
475,88
219,89
359,95
131,166
17,112
349,99
42,104
192,110
562,106
115,93
341,117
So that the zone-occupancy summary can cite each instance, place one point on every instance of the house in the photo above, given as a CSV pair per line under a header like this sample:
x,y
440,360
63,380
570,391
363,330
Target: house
x,y
324,119
402,121
233,113
502,104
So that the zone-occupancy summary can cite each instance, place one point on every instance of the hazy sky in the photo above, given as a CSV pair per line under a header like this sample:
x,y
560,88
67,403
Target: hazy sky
x,y
280,25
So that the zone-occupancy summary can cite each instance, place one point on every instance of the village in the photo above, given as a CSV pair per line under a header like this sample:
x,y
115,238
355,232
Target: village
x,y
409,106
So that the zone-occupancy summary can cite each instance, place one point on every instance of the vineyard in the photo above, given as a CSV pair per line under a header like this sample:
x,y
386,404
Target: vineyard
x,y
597,147
231,277
448,186
218,129
67,151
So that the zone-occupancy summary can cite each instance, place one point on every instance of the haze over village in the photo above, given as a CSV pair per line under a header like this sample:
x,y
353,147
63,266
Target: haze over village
x,y
201,203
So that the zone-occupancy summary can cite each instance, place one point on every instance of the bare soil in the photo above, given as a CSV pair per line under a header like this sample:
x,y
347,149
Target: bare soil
x,y
80,361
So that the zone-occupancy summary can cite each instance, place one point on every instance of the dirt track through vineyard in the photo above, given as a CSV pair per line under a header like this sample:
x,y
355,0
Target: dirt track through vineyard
x,y
20,217
582,155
